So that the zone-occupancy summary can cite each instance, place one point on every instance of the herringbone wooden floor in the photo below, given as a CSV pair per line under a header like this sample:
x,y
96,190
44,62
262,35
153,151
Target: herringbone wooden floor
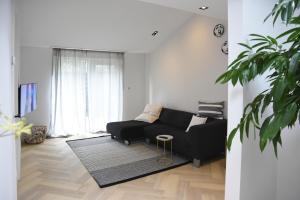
x,y
51,171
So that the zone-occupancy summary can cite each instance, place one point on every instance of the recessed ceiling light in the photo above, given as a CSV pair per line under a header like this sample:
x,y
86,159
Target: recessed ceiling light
x,y
154,33
203,8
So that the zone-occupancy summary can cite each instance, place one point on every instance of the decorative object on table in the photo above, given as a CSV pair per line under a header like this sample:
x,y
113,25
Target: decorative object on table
x,y
38,135
219,30
10,127
164,159
280,57
224,48
211,109
110,162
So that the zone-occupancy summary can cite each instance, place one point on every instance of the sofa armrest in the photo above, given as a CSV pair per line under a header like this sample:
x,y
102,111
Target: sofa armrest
x,y
208,140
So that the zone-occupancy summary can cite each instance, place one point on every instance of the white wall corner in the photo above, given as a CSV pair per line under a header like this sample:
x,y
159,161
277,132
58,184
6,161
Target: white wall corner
x,y
235,103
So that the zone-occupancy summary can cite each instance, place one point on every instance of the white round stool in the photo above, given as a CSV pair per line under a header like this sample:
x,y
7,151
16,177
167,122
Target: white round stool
x,y
164,159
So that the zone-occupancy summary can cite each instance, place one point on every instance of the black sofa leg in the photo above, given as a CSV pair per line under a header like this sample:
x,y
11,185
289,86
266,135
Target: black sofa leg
x,y
127,142
196,163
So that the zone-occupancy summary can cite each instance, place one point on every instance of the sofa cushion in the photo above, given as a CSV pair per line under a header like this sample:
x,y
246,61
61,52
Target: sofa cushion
x,y
210,119
181,144
146,117
153,109
151,113
215,110
127,129
196,121
175,118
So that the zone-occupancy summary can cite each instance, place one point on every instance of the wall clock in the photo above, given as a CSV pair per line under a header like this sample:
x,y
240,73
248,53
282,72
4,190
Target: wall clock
x,y
225,48
219,30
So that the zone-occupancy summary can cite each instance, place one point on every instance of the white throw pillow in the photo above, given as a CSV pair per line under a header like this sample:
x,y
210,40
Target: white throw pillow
x,y
196,121
153,109
151,113
145,117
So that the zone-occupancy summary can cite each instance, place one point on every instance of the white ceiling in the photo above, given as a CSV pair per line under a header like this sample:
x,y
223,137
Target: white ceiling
x,y
113,25
217,8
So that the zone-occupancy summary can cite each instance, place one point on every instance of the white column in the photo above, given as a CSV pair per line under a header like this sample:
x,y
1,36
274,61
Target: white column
x,y
8,179
251,174
235,102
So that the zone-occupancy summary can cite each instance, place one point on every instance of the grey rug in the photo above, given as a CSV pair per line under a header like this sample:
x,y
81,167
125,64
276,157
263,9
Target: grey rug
x,y
110,162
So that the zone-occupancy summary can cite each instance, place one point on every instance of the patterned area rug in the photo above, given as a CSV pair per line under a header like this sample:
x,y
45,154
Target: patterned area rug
x,y
110,162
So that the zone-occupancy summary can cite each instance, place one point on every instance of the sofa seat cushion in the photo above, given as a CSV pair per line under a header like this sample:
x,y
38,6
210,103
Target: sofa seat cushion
x,y
127,129
180,143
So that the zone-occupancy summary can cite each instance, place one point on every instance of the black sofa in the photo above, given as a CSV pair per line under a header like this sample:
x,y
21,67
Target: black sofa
x,y
200,143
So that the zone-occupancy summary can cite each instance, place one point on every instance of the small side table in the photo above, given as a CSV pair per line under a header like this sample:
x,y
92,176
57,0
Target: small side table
x,y
165,159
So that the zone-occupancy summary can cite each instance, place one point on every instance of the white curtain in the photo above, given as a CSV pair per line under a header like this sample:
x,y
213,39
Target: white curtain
x,y
87,91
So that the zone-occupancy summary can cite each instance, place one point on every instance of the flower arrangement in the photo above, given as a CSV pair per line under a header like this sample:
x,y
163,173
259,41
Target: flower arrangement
x,y
10,127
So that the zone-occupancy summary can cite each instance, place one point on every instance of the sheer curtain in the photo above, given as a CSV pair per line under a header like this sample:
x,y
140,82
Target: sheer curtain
x,y
87,91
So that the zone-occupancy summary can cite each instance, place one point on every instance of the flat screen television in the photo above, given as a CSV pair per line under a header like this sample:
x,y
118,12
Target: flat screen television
x,y
27,98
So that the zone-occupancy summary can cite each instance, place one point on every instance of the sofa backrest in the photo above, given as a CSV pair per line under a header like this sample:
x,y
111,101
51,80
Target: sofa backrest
x,y
210,119
175,118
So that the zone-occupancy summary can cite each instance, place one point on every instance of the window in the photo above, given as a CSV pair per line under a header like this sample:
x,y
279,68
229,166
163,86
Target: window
x,y
87,91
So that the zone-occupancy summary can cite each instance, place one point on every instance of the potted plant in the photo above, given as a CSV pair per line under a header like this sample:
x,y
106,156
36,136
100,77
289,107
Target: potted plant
x,y
280,57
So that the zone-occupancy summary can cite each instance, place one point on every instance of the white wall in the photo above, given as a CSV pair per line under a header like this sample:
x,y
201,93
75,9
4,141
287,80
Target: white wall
x,y
134,85
288,168
8,176
183,70
37,65
261,175
17,64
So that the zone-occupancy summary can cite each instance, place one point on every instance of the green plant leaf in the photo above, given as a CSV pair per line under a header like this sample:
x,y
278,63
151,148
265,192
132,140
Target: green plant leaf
x,y
275,147
248,119
288,32
294,63
230,137
289,11
258,36
242,129
276,17
222,77
245,45
280,57
266,103
235,77
262,144
272,40
270,131
265,125
259,44
278,89
289,115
